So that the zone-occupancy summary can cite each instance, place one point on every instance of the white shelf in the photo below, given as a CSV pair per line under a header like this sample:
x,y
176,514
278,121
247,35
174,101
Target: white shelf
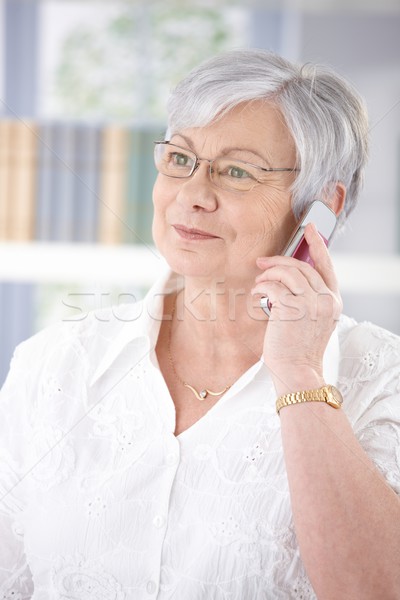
x,y
79,263
140,265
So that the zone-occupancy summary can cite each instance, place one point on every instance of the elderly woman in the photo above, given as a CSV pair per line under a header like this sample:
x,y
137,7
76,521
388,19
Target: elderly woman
x,y
142,454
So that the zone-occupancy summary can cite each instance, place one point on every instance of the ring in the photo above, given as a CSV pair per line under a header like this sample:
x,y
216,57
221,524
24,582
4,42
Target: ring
x,y
266,305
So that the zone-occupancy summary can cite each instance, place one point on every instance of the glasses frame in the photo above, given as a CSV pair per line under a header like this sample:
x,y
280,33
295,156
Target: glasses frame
x,y
211,160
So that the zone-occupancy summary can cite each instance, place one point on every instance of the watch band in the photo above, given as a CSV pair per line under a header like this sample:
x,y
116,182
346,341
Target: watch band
x,y
327,393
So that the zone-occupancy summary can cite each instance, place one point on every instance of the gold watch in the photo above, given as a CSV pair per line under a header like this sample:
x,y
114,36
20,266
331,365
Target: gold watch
x,y
328,393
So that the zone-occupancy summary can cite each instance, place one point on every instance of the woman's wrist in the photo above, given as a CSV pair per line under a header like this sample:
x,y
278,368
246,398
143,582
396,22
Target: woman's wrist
x,y
292,381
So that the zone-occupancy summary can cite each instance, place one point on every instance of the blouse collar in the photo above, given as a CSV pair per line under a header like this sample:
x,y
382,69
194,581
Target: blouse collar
x,y
142,320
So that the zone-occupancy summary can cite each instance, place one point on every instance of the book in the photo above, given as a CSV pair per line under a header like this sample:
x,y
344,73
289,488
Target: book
x,y
131,222
141,177
55,182
44,182
148,176
22,188
113,184
62,182
5,172
86,183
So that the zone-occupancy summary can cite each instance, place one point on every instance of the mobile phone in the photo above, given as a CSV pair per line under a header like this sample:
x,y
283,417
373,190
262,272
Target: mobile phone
x,y
325,221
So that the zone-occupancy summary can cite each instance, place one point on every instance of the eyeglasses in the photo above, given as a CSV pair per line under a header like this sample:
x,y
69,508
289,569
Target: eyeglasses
x,y
226,173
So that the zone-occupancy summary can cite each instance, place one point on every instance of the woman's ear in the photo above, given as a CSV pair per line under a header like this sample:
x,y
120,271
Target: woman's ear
x,y
336,197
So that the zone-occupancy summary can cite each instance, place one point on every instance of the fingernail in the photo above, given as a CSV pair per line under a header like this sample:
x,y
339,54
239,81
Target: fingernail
x,y
311,229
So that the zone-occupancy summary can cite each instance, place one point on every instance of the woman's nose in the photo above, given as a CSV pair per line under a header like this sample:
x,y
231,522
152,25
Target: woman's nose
x,y
198,189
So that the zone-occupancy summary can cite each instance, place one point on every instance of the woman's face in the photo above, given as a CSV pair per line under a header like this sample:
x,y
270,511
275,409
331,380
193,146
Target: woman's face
x,y
245,225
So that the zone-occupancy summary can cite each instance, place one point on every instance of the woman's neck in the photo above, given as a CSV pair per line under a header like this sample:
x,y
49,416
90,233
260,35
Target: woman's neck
x,y
218,318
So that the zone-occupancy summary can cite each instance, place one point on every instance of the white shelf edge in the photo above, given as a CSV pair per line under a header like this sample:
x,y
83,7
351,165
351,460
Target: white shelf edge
x,y
140,265
80,263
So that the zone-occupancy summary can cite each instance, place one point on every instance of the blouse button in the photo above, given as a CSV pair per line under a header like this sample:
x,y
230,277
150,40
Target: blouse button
x,y
151,587
159,521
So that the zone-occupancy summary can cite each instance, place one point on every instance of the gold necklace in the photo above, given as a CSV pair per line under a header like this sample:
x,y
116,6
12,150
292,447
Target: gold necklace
x,y
202,395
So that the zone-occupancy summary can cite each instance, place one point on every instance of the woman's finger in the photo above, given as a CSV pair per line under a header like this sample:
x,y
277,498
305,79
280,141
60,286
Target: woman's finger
x,y
284,305
294,279
321,258
291,289
322,274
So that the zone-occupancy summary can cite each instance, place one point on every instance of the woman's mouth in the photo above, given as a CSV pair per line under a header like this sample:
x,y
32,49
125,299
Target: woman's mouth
x,y
193,234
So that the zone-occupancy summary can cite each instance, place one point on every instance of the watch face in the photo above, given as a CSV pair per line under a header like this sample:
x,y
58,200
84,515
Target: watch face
x,y
335,397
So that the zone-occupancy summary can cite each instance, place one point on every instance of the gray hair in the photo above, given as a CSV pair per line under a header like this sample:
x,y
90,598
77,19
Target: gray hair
x,y
325,115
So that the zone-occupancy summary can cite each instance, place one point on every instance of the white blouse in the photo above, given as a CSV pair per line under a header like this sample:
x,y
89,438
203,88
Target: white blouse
x,y
99,500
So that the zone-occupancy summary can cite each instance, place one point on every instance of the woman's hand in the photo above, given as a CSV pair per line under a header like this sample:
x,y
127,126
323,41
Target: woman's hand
x,y
306,305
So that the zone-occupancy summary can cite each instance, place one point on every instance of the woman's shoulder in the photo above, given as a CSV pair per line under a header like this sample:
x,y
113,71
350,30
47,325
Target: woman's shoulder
x,y
359,339
369,368
369,379
90,333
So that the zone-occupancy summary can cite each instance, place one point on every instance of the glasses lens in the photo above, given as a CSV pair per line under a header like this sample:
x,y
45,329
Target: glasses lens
x,y
174,161
234,174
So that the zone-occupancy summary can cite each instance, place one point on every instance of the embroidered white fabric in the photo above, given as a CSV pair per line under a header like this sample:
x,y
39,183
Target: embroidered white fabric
x,y
99,500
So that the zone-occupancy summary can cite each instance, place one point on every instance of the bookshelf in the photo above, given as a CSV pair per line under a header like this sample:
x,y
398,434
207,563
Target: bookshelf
x,y
64,181
140,265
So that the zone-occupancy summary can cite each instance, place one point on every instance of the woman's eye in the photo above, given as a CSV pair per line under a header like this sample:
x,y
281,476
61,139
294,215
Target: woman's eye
x,y
238,173
180,159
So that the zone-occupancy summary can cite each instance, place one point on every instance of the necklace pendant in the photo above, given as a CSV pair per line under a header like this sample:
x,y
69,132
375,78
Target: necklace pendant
x,y
202,395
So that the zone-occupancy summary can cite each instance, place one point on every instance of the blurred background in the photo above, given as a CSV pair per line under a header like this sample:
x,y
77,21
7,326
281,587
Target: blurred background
x,y
83,86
